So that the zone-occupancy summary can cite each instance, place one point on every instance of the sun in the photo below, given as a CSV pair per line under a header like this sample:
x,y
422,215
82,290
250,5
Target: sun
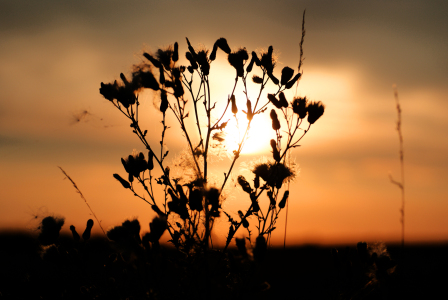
x,y
257,140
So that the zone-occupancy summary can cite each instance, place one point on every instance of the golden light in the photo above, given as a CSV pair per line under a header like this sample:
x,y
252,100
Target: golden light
x,y
258,137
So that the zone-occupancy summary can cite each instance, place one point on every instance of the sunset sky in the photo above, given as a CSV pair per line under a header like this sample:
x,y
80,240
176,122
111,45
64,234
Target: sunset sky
x,y
55,54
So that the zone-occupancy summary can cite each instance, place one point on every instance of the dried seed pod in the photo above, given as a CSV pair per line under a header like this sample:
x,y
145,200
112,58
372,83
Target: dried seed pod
x,y
250,114
256,59
164,101
109,90
282,202
257,79
161,75
293,81
49,230
273,78
192,60
123,182
190,48
236,60
222,44
195,200
299,107
146,80
315,111
154,61
202,60
275,152
150,160
266,60
274,100
283,101
275,121
86,233
180,190
250,66
287,73
212,56
255,206
245,223
234,108
244,184
175,56
257,181
157,228
74,233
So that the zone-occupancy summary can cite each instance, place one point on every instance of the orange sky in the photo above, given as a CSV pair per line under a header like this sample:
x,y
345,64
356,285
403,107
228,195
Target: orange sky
x,y
54,55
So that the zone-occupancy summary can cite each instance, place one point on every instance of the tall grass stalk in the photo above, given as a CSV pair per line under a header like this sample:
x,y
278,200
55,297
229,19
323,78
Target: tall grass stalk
x,y
400,183
83,198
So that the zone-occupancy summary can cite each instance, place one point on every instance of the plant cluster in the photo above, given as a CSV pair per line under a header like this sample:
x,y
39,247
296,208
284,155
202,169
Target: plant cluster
x,y
190,206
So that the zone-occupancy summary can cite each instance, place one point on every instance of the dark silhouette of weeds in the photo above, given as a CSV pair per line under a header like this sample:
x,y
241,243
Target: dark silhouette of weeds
x,y
191,204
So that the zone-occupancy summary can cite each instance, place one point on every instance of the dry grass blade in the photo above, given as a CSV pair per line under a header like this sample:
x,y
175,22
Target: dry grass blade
x,y
83,198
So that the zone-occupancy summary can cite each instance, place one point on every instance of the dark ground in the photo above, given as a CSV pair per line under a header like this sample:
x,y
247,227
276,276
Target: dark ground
x,y
307,272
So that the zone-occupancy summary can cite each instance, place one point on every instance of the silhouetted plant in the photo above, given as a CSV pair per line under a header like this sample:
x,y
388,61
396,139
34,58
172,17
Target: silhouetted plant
x,y
191,205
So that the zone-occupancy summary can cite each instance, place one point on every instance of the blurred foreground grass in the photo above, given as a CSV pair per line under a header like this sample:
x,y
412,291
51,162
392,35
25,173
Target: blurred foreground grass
x,y
95,269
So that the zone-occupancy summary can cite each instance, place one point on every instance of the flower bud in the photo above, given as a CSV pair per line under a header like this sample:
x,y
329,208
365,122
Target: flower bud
x,y
175,56
293,81
212,56
157,228
124,79
275,121
250,66
222,44
150,160
245,223
123,182
282,202
192,61
266,60
257,79
109,90
274,100
283,101
161,75
195,200
275,152
74,233
234,108
257,181
190,48
164,101
201,58
250,114
244,184
256,59
86,233
147,80
273,78
287,73
154,61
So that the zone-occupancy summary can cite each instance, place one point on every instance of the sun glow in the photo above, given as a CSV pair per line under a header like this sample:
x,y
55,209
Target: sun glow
x,y
258,137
